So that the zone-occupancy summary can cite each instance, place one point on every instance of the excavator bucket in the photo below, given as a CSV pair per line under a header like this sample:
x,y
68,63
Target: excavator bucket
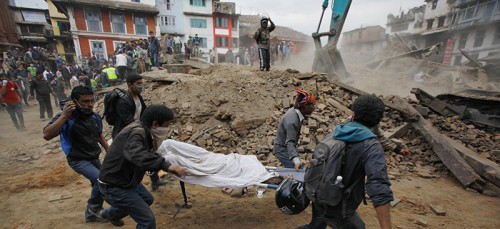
x,y
328,60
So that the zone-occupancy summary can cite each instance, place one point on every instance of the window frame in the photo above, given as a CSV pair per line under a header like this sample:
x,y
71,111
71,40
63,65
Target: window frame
x,y
199,3
203,23
99,21
136,25
479,38
112,23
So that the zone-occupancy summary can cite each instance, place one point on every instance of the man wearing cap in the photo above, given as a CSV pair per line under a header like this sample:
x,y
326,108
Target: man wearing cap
x,y
262,36
288,133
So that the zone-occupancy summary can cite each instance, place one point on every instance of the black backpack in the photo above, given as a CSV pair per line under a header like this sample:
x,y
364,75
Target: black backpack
x,y
110,105
322,185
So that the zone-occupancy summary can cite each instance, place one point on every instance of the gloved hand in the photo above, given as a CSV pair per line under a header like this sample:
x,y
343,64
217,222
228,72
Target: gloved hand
x,y
297,162
4,82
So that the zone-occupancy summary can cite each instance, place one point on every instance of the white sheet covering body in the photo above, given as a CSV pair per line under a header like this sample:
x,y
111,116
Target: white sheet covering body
x,y
212,169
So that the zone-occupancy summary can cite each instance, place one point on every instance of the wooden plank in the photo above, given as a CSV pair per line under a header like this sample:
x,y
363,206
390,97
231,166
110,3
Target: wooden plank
x,y
444,150
486,168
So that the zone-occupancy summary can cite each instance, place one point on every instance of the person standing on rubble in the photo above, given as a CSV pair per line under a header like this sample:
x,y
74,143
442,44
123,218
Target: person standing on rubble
x,y
364,156
80,130
154,49
288,133
262,36
132,153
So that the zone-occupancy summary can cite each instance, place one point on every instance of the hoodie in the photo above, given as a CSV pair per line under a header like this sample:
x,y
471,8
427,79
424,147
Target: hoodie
x,y
352,132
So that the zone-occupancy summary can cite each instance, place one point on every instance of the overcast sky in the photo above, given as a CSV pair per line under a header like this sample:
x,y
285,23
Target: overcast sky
x,y
304,15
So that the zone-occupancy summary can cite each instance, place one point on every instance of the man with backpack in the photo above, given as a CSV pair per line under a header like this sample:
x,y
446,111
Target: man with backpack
x,y
288,132
335,179
124,107
80,130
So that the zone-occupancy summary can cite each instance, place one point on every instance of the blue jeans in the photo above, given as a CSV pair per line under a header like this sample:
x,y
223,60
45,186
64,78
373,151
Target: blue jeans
x,y
16,114
132,201
283,158
156,62
90,170
321,218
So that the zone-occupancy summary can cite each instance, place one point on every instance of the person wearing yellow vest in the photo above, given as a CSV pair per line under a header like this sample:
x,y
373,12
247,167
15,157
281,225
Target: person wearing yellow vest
x,y
111,74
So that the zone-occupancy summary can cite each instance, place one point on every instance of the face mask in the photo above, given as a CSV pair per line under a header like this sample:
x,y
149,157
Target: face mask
x,y
85,111
159,135
139,88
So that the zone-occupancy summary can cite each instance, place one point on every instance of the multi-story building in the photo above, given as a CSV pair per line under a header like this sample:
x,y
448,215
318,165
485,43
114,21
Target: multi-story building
x,y
8,36
225,27
475,28
436,26
171,17
407,24
198,20
62,35
364,42
32,26
98,27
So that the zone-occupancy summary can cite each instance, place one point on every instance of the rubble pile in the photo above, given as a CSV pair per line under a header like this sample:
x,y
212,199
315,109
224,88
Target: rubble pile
x,y
228,109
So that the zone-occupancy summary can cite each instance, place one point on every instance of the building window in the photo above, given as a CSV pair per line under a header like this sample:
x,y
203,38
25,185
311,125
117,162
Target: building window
x,y
429,23
141,26
28,30
203,42
198,23
168,3
234,23
136,0
478,42
235,42
93,20
441,22
97,47
118,23
197,2
64,27
168,20
434,4
462,41
469,13
458,60
222,42
496,38
221,22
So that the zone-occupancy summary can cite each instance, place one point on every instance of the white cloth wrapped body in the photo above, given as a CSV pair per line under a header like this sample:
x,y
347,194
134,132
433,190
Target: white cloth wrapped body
x,y
212,169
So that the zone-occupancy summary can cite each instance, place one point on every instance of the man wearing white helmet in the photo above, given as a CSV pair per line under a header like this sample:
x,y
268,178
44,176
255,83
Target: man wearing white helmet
x,y
262,36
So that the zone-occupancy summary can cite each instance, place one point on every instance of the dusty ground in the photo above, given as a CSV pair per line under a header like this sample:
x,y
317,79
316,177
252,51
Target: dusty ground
x,y
31,172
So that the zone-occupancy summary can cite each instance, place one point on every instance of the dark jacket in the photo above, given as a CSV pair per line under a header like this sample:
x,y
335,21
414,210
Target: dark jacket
x,y
364,157
263,36
130,156
125,109
80,135
40,86
154,45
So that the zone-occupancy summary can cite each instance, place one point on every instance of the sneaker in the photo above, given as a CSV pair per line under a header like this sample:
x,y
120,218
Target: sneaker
x,y
42,119
156,185
96,220
115,222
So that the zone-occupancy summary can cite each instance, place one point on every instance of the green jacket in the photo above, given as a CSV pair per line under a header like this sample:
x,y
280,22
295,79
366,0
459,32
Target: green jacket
x,y
263,36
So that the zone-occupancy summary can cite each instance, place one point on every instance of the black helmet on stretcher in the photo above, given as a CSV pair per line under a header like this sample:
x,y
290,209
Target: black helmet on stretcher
x,y
290,197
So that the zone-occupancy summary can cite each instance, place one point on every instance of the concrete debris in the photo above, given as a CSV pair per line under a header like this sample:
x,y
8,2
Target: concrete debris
x,y
225,110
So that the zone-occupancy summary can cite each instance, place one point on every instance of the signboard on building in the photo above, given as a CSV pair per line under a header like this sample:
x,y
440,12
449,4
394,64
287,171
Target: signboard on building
x,y
448,52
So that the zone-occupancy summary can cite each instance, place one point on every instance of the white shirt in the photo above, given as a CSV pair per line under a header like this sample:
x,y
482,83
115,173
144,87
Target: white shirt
x,y
121,60
138,108
301,117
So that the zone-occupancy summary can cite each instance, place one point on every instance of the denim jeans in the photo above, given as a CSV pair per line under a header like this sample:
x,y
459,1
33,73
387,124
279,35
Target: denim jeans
x,y
321,218
16,114
45,105
132,201
283,158
156,62
90,170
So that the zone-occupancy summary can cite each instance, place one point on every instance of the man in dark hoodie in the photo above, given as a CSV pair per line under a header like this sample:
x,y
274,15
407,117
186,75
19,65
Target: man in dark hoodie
x,y
41,87
364,157
132,153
